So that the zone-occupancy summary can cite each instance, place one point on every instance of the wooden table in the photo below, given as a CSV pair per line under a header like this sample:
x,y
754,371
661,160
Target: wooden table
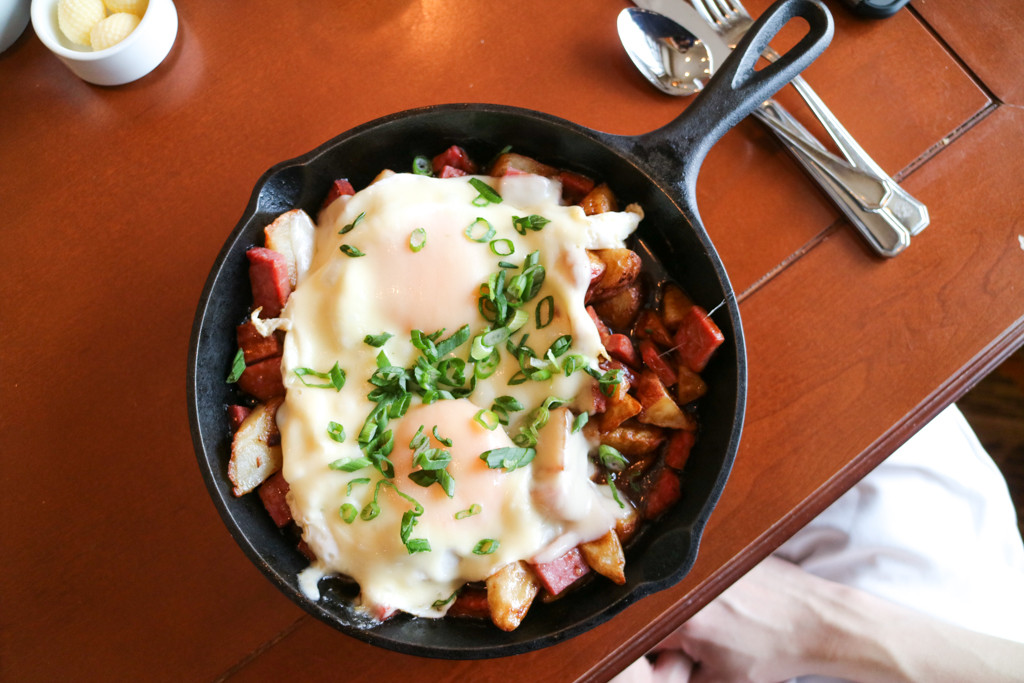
x,y
116,201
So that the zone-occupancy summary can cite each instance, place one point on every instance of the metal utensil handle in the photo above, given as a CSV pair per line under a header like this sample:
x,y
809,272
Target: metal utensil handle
x,y
736,90
883,231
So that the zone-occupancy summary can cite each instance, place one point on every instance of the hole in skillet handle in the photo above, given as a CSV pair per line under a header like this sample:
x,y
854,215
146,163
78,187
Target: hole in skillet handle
x,y
677,150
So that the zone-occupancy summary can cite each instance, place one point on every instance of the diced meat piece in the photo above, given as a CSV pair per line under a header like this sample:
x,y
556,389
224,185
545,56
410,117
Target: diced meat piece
x,y
268,274
663,492
597,268
677,450
339,188
471,602
451,172
237,415
263,380
620,347
697,338
600,400
602,330
574,186
653,360
557,575
272,494
255,347
455,157
650,326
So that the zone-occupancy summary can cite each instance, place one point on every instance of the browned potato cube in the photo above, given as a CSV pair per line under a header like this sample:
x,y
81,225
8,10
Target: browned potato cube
x,y
622,267
510,592
605,557
659,407
674,306
633,439
599,200
650,326
620,309
511,162
618,411
690,386
253,458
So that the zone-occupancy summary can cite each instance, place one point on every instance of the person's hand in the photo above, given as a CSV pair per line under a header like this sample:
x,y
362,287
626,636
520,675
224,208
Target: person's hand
x,y
765,628
670,666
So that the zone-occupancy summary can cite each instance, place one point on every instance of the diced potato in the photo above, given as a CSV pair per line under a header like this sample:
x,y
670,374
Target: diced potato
x,y
510,592
511,163
253,458
674,306
690,386
597,266
605,557
292,234
659,407
619,310
618,411
622,267
633,439
599,200
650,326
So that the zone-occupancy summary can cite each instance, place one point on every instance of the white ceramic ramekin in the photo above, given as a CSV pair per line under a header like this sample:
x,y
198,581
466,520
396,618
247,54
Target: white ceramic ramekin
x,y
129,60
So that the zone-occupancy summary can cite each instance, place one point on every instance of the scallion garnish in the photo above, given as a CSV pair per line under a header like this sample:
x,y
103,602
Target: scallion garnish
x,y
421,166
486,546
377,340
508,458
336,431
487,419
524,223
350,464
480,230
335,377
355,482
348,228
502,247
473,509
545,311
579,422
418,239
438,604
349,250
611,459
237,367
487,194
348,512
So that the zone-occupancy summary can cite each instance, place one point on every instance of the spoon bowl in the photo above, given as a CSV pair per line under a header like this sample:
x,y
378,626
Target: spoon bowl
x,y
672,58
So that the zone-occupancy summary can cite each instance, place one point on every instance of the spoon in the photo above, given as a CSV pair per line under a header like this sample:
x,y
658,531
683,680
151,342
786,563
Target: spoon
x,y
677,62
674,60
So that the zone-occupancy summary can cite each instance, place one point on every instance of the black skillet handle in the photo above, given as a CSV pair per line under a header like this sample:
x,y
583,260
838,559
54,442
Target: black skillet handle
x,y
736,89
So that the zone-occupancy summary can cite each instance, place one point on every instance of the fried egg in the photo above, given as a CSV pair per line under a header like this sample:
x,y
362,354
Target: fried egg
x,y
397,274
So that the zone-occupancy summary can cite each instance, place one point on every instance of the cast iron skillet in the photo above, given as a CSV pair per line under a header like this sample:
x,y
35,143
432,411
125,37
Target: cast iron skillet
x,y
657,170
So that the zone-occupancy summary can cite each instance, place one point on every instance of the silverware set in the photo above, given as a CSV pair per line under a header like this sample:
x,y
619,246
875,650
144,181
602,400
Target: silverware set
x,y
678,46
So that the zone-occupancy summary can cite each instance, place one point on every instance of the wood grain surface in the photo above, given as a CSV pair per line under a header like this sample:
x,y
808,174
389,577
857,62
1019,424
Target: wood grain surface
x,y
117,200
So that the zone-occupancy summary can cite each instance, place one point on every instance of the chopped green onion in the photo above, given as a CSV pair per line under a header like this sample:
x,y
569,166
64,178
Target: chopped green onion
x,y
353,224
349,250
438,604
237,367
350,464
524,223
486,546
418,545
473,509
484,368
473,232
545,311
348,512
441,439
487,193
335,377
502,247
611,458
615,491
370,511
336,431
377,340
352,483
509,458
418,239
579,422
421,166
487,419
560,345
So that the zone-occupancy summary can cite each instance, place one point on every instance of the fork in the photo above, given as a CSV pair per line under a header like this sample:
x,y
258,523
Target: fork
x,y
730,19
